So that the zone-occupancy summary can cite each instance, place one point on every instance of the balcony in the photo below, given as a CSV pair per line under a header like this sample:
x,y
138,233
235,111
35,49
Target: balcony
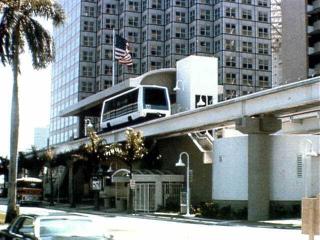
x,y
316,25
316,4
310,50
317,47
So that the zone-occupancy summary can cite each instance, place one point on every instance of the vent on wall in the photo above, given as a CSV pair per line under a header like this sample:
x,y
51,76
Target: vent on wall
x,y
299,166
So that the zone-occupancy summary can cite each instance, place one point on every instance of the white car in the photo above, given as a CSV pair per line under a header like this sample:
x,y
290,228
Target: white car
x,y
54,226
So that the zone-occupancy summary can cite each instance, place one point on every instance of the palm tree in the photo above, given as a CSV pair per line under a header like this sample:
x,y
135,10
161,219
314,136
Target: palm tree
x,y
18,27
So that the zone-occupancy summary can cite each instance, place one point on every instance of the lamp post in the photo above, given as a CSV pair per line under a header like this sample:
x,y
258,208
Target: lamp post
x,y
180,163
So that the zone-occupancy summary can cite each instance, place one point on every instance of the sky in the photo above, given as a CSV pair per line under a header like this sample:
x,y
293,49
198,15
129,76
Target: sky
x,y
34,97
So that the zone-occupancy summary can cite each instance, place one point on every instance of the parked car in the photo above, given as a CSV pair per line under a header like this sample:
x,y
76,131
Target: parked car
x,y
54,226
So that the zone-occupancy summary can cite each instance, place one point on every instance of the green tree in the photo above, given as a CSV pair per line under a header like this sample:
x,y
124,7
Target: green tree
x,y
19,27
95,153
129,152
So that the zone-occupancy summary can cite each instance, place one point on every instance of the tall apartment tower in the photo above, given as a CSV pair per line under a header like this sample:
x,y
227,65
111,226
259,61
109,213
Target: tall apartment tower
x,y
297,48
313,31
159,32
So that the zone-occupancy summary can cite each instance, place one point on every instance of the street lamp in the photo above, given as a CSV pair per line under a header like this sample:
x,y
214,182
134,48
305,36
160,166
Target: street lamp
x,y
180,163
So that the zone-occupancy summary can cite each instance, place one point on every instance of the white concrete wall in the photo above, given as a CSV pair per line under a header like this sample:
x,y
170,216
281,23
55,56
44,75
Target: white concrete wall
x,y
197,75
230,168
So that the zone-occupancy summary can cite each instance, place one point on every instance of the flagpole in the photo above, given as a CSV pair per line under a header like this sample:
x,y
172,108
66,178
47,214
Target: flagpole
x,y
113,58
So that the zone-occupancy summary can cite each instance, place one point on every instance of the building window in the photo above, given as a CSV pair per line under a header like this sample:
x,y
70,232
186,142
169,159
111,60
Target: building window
x,y
167,18
205,47
230,61
247,63
230,94
205,31
263,48
108,39
217,46
133,21
110,23
249,2
156,4
230,12
263,81
133,6
262,16
230,28
110,8
192,48
87,71
247,47
88,41
88,11
230,45
263,64
107,70
133,37
108,54
263,32
156,35
88,26
180,17
246,14
167,33
192,16
216,13
205,14
217,30
230,78
192,32
247,30
156,19
180,32
180,48
263,3
247,79
87,56
167,49
156,50
155,65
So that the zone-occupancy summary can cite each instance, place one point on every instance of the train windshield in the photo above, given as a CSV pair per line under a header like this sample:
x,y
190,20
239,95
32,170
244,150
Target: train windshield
x,y
155,98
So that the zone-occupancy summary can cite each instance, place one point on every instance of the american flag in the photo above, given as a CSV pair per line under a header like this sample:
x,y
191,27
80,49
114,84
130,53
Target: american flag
x,y
121,51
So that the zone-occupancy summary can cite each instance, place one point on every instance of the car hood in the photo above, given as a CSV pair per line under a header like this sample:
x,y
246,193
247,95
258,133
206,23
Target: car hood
x,y
76,237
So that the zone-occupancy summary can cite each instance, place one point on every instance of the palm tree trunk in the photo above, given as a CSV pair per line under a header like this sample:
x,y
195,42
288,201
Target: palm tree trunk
x,y
12,211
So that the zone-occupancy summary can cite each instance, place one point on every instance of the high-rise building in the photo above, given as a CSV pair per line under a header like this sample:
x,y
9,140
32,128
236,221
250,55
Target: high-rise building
x,y
296,44
159,32
41,137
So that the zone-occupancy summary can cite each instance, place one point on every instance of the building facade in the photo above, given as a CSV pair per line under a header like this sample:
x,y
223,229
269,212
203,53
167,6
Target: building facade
x,y
41,137
159,32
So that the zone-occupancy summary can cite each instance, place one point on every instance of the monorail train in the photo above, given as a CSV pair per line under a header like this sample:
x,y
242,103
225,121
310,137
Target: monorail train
x,y
143,102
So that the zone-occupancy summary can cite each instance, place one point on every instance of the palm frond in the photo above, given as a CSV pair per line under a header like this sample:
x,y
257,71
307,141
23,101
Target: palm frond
x,y
39,42
44,8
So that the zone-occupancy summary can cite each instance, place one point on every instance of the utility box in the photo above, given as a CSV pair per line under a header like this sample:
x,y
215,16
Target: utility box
x,y
311,216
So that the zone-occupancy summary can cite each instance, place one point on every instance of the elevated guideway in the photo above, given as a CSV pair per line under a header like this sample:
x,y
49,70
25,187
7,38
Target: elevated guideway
x,y
283,101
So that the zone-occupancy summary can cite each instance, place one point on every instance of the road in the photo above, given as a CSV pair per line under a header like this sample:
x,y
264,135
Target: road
x,y
133,228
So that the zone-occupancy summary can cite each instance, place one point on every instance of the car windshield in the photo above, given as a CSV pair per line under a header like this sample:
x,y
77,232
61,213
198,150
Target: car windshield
x,y
67,227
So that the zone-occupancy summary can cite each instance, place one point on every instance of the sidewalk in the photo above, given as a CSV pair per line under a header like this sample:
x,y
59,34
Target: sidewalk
x,y
89,209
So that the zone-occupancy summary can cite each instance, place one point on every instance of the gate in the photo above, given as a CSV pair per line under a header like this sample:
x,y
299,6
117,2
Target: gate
x,y
144,196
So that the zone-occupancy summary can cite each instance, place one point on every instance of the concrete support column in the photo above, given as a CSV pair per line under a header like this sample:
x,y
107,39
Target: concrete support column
x,y
259,158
